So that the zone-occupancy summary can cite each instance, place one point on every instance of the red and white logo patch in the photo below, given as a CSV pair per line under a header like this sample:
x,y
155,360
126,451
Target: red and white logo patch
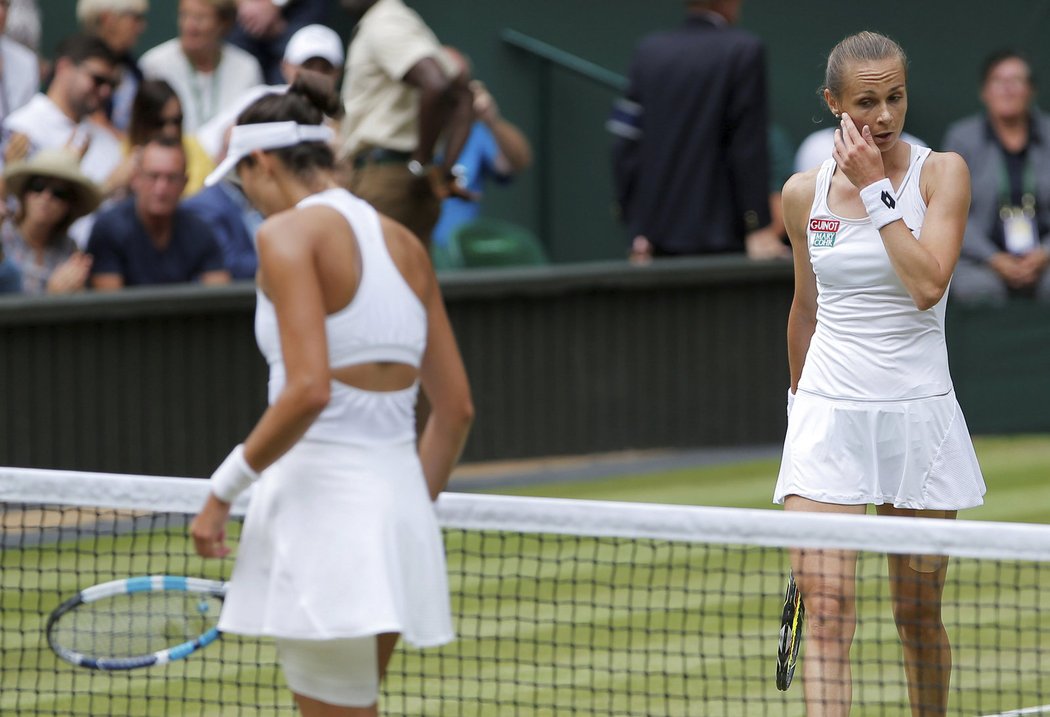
x,y
822,232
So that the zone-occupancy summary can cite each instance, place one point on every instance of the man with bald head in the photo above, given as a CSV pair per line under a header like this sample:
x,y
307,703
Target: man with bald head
x,y
691,159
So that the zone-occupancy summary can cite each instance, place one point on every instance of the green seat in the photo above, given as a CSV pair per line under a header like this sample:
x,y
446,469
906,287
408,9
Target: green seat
x,y
493,243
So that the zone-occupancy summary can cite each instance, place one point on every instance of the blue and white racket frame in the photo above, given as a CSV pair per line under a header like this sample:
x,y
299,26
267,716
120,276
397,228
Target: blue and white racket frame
x,y
128,586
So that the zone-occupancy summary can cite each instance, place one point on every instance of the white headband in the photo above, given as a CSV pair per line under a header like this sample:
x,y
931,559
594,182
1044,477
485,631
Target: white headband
x,y
246,138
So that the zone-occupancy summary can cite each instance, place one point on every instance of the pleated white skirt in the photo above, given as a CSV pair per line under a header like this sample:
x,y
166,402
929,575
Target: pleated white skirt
x,y
341,541
911,454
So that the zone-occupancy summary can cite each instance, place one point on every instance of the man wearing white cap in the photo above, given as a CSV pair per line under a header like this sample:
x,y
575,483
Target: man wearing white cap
x,y
314,47
265,27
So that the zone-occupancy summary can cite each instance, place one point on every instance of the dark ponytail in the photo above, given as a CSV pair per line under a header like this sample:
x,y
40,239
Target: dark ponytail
x,y
309,99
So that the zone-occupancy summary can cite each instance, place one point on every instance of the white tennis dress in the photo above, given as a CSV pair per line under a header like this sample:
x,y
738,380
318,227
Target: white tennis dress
x,y
875,419
341,539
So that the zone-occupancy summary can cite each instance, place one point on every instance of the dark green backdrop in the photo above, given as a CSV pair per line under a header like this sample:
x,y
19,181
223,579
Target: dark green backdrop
x,y
946,40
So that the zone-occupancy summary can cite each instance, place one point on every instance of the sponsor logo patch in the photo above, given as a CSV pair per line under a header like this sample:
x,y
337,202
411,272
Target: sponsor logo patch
x,y
822,232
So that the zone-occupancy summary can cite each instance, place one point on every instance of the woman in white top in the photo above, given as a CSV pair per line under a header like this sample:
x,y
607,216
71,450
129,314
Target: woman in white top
x,y
205,70
340,553
873,419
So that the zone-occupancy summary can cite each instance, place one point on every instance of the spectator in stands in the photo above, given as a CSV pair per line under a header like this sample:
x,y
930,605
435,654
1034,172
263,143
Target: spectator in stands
x,y
495,149
264,28
118,23
19,70
402,93
1006,249
780,170
83,80
23,23
157,112
52,192
691,158
314,47
233,220
817,147
149,238
204,69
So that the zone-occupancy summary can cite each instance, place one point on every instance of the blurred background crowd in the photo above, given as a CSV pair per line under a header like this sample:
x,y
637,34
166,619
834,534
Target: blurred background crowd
x,y
106,140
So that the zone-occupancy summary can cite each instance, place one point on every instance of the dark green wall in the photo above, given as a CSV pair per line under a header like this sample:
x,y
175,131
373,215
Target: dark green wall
x,y
946,40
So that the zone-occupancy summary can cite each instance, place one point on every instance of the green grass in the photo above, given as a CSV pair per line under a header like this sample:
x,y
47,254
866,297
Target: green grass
x,y
551,626
1016,469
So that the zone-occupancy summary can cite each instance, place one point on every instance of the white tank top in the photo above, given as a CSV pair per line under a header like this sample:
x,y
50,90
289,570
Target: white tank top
x,y
385,321
871,343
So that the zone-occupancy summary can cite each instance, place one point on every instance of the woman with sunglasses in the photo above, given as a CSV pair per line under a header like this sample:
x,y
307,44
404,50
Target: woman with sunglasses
x,y
157,112
52,193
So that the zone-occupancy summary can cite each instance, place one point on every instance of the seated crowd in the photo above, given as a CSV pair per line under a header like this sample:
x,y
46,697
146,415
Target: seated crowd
x,y
104,155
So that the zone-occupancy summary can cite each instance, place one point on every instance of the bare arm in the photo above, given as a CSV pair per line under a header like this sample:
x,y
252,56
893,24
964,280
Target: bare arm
x,y
219,276
802,319
442,374
435,92
925,267
515,152
107,282
288,273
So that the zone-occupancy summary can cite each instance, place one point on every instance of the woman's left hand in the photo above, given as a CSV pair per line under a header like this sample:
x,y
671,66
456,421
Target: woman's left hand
x,y
856,154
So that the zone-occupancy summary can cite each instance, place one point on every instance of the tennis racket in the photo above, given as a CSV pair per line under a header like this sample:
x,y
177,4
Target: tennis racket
x,y
136,622
790,634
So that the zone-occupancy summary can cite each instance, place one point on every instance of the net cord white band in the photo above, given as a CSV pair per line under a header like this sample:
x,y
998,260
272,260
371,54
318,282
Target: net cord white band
x,y
735,526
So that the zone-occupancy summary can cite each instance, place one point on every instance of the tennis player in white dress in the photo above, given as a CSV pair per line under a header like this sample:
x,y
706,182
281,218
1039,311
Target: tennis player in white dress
x,y
873,418
340,553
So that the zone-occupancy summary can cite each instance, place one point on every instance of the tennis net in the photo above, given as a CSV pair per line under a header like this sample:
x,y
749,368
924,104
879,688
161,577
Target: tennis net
x,y
562,607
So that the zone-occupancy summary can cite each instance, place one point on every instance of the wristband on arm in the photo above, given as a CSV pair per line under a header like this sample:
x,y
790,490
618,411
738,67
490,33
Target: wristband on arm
x,y
233,476
881,204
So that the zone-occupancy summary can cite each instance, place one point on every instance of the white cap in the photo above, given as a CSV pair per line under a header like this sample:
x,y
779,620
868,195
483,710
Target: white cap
x,y
314,41
246,138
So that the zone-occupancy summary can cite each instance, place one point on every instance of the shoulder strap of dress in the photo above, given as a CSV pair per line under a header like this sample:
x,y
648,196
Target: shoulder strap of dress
x,y
820,193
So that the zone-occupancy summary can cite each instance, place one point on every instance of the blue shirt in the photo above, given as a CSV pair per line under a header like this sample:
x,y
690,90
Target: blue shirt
x,y
477,164
233,221
119,244
10,277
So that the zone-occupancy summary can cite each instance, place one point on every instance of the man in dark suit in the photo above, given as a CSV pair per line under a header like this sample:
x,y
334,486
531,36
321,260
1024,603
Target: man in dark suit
x,y
691,160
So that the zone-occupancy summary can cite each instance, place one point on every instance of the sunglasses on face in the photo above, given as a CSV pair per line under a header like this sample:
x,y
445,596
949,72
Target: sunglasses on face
x,y
175,121
58,190
101,81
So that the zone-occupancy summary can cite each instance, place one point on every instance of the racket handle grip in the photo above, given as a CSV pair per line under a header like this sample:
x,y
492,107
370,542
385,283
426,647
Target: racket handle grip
x,y
233,476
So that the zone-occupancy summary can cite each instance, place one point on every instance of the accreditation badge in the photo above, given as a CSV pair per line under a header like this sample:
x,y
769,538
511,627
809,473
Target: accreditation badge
x,y
1019,229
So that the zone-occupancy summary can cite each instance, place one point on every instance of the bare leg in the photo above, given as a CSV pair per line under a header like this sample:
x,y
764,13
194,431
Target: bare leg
x,y
827,581
309,707
916,586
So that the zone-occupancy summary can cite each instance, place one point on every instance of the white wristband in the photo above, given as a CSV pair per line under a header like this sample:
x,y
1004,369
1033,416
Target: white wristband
x,y
791,401
881,204
234,475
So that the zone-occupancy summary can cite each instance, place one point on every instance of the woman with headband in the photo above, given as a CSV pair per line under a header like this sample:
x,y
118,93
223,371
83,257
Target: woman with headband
x,y
340,553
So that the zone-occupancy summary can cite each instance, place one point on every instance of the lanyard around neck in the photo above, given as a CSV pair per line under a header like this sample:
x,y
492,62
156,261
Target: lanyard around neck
x,y
195,90
1027,181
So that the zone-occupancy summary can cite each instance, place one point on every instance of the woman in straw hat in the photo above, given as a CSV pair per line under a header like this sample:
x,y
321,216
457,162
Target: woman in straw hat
x,y
52,193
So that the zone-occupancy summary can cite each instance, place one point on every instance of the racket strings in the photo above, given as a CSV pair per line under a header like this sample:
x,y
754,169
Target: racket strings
x,y
136,624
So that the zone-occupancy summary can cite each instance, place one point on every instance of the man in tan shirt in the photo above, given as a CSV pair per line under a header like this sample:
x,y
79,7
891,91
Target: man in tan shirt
x,y
402,93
